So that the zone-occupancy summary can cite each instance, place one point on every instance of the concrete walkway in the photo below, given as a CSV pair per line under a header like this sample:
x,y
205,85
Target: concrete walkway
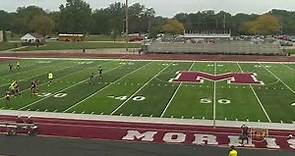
x,y
150,120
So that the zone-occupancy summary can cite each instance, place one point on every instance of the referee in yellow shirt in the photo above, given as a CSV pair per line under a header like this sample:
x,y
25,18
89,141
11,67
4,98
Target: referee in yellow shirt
x,y
50,78
232,151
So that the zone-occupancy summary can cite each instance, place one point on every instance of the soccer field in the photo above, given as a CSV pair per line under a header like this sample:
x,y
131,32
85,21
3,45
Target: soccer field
x,y
233,91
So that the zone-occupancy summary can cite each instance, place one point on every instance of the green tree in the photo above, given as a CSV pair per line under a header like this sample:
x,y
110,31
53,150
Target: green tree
x,y
116,20
75,17
101,22
264,25
173,27
156,26
286,19
5,19
4,36
42,24
23,17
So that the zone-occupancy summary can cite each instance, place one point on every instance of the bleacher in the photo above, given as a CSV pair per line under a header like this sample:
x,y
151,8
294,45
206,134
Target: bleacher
x,y
225,47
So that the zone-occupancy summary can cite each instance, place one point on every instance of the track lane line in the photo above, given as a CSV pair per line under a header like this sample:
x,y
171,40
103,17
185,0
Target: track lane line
x,y
258,99
171,99
113,112
110,84
126,59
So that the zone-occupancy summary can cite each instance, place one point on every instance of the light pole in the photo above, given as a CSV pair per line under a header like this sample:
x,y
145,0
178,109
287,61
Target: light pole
x,y
126,25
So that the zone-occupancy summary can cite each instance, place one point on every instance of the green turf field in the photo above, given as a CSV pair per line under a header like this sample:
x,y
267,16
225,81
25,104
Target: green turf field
x,y
142,88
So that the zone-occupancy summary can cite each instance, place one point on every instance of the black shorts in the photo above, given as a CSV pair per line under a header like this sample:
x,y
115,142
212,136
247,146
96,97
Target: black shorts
x,y
7,97
244,136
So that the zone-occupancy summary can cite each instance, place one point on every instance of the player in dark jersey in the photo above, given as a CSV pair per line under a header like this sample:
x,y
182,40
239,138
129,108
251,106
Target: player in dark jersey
x,y
245,134
10,67
34,87
17,88
91,78
100,72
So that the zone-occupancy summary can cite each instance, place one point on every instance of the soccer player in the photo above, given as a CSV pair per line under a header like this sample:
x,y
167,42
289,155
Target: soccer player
x,y
17,89
12,87
7,96
34,87
10,66
232,151
100,72
91,78
245,134
17,65
50,78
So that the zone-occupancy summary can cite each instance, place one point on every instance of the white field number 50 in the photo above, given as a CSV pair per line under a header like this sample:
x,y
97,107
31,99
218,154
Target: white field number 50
x,y
221,101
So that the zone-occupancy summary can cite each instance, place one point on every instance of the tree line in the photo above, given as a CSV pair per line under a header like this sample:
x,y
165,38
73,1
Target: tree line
x,y
76,16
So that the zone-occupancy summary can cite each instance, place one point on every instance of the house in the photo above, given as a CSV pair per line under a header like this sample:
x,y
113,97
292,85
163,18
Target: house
x,y
71,37
32,39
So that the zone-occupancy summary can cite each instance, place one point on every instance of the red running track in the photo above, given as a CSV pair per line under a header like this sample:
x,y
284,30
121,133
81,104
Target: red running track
x,y
157,133
196,57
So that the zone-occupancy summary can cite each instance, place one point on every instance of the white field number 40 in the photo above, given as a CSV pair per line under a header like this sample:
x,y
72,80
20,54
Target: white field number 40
x,y
123,98
221,101
58,95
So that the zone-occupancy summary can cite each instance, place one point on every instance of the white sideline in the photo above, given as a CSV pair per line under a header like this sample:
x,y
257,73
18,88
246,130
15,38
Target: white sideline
x,y
156,60
61,90
154,120
258,99
289,67
273,74
78,103
139,90
162,114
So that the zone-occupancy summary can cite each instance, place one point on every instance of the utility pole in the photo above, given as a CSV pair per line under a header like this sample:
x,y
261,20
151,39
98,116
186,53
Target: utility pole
x,y
127,25
224,23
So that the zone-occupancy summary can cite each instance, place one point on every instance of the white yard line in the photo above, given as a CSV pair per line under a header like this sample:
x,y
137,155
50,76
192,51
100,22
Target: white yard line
x,y
75,84
37,75
273,74
171,99
41,84
288,67
259,101
139,90
214,96
110,84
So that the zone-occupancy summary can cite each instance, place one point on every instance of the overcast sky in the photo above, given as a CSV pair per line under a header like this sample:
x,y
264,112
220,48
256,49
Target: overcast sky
x,y
169,8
